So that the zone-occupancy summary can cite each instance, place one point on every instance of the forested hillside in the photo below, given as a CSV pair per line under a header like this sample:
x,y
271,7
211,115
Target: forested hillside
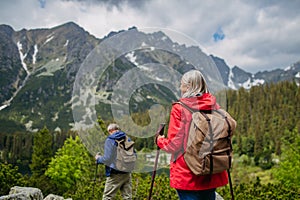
x,y
266,147
265,117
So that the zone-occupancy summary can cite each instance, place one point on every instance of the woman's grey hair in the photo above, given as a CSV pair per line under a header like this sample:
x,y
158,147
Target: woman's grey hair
x,y
195,82
113,127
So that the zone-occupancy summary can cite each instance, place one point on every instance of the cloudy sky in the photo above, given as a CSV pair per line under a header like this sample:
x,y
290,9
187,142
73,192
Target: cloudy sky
x,y
255,35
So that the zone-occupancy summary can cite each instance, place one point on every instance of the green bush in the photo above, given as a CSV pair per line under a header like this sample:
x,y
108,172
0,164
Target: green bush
x,y
9,177
258,191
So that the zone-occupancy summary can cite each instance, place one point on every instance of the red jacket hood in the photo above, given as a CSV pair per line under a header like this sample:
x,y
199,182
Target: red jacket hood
x,y
204,102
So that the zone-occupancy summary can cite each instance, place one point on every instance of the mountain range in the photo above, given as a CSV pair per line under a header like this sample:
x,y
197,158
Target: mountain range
x,y
39,68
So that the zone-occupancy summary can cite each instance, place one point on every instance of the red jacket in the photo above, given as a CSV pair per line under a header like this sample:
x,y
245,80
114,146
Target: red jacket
x,y
180,175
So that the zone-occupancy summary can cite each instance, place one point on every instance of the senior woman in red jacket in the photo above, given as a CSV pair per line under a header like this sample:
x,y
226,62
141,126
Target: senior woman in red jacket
x,y
195,94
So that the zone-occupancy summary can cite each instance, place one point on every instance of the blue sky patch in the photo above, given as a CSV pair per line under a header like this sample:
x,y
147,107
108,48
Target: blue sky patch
x,y
218,35
42,3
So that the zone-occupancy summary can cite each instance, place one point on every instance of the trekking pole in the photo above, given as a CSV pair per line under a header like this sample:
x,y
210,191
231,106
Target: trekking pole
x,y
230,185
96,171
160,131
228,170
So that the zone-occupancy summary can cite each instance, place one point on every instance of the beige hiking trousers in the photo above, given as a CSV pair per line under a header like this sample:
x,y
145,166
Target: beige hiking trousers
x,y
117,182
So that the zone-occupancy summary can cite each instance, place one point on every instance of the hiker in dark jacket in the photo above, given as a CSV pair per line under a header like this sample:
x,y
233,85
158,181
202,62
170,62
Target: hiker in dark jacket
x,y
115,179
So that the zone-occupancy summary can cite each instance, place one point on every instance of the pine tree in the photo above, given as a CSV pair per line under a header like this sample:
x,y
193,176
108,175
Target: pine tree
x,y
41,157
287,172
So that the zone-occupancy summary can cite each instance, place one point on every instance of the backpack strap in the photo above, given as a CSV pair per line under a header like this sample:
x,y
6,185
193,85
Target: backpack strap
x,y
211,141
194,110
207,118
184,105
182,149
125,142
120,140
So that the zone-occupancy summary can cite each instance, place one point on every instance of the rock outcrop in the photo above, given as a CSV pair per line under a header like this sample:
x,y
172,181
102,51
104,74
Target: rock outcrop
x,y
29,193
23,193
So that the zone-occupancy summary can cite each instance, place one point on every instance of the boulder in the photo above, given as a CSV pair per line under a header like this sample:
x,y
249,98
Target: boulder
x,y
23,193
53,197
29,193
219,197
19,196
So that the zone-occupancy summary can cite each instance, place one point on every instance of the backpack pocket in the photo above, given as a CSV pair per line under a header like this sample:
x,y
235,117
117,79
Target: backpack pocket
x,y
210,163
215,162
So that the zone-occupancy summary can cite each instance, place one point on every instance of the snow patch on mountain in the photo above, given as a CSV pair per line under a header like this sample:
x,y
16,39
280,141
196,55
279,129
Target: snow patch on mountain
x,y
258,82
164,38
132,58
24,65
288,68
22,57
34,54
49,38
29,128
66,44
230,81
159,79
246,84
3,106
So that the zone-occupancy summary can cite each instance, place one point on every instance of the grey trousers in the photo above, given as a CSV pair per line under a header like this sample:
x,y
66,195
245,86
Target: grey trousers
x,y
117,182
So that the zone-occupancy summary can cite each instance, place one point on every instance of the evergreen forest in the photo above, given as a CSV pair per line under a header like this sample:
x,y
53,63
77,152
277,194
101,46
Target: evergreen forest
x,y
266,162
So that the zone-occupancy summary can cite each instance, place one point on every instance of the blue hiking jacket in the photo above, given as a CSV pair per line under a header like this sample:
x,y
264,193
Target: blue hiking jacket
x,y
110,152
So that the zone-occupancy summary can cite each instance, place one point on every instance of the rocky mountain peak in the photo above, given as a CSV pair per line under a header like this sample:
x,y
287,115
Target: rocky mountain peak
x,y
39,67
6,30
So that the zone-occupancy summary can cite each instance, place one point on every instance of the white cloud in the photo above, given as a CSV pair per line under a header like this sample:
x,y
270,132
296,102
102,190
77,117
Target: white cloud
x,y
260,35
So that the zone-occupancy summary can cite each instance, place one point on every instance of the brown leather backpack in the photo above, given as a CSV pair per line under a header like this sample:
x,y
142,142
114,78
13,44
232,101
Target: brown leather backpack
x,y
209,146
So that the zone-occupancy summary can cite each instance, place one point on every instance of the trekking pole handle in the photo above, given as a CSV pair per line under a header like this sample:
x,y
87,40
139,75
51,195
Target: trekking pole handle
x,y
160,131
161,128
97,154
